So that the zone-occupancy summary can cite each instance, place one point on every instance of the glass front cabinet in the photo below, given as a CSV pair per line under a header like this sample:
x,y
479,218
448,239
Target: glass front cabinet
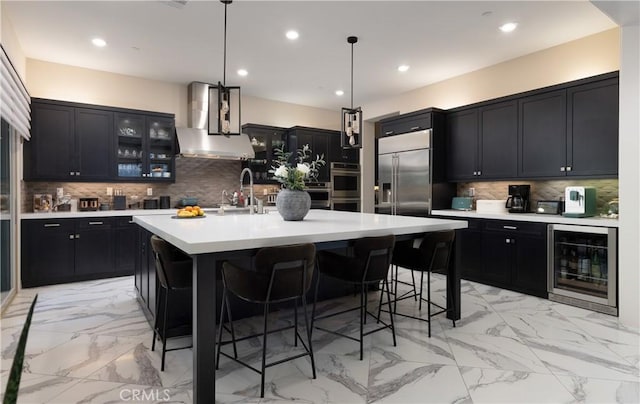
x,y
145,148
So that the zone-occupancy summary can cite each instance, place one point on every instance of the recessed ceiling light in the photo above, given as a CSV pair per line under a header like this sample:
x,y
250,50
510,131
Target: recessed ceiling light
x,y
292,34
99,42
242,72
508,27
339,93
403,68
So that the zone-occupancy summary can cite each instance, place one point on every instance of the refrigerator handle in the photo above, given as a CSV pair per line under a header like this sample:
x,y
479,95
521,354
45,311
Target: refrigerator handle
x,y
396,165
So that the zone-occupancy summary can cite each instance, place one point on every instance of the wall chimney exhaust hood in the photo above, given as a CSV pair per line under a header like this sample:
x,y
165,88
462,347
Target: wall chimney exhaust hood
x,y
195,141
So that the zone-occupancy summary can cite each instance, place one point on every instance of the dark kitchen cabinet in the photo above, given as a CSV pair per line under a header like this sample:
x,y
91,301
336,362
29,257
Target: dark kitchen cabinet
x,y
318,140
126,233
542,135
498,142
94,246
506,254
339,155
49,153
264,140
48,251
68,250
483,142
145,147
145,273
410,122
469,250
68,143
94,151
462,145
92,143
592,129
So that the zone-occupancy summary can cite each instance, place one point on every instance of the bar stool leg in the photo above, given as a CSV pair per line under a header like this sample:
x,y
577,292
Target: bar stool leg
x,y
264,349
363,313
393,328
164,329
429,297
307,324
295,322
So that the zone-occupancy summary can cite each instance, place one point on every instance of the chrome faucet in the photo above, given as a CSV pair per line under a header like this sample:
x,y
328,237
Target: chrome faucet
x,y
242,174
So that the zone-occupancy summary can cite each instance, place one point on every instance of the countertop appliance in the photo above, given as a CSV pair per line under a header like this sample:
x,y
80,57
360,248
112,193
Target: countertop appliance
x,y
119,202
462,203
406,176
579,202
88,204
582,267
165,202
518,200
549,207
150,203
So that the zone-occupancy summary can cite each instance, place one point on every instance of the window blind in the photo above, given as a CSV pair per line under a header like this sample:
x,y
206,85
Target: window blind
x,y
14,98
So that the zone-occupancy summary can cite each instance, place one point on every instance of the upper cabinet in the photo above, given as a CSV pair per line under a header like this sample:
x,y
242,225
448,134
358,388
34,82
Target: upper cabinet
x,y
409,122
145,147
565,130
592,129
542,132
69,143
79,142
264,140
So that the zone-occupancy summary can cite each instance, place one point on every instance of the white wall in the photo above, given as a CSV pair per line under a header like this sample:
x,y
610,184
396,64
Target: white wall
x,y
629,180
11,44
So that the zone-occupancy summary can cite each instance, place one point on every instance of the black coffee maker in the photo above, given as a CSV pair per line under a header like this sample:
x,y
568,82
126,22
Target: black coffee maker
x,y
518,200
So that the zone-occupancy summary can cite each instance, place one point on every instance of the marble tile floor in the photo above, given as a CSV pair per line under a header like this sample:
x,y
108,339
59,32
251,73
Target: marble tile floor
x,y
90,343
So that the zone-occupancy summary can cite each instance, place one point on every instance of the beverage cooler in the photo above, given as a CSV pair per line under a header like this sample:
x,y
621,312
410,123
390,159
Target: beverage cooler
x,y
583,267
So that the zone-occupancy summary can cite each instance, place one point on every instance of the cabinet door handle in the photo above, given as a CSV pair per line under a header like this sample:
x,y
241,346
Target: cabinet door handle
x,y
568,168
77,172
475,173
71,236
415,128
479,172
77,236
96,223
513,241
561,168
72,173
510,227
389,132
507,240
52,225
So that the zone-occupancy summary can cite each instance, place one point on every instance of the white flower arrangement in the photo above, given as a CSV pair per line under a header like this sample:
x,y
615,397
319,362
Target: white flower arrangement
x,y
293,177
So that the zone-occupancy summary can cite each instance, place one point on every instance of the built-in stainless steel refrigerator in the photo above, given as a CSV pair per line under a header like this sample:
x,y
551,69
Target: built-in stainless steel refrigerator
x,y
405,176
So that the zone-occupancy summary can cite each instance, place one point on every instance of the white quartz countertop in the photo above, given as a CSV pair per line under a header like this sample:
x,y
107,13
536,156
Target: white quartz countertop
x,y
216,233
529,217
112,213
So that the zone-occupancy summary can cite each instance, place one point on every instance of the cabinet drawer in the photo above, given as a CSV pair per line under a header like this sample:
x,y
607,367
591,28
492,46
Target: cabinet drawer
x,y
95,223
534,229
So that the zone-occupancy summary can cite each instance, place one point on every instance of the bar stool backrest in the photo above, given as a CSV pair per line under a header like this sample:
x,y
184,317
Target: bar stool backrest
x,y
437,247
172,265
375,255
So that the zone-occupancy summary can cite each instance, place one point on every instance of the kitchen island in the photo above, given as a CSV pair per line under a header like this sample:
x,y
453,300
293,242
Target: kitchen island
x,y
212,239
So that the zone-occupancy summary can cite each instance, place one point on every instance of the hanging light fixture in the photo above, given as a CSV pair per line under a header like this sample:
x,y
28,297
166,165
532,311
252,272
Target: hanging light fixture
x,y
350,137
227,98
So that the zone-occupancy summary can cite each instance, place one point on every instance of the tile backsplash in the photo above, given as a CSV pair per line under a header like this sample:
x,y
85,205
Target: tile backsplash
x,y
542,190
201,178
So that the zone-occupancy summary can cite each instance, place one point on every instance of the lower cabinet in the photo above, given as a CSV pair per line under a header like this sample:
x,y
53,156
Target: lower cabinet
x,y
70,250
145,272
506,254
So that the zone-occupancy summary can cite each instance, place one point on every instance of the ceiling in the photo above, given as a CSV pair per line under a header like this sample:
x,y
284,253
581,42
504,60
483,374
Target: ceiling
x,y
182,41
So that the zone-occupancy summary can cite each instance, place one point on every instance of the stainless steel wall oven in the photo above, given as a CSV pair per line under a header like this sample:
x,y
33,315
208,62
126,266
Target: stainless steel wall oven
x,y
320,193
345,180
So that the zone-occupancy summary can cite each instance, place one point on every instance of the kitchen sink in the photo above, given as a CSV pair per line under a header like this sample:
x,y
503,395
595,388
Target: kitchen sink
x,y
228,209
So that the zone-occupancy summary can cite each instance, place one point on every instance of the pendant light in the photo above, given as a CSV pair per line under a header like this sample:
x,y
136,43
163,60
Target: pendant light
x,y
350,137
227,98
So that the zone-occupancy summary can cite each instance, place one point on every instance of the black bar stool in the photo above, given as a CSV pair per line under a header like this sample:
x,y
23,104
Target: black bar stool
x,y
432,255
174,269
280,274
369,264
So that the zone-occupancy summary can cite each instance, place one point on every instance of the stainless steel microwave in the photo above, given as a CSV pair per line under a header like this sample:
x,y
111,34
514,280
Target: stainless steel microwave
x,y
345,180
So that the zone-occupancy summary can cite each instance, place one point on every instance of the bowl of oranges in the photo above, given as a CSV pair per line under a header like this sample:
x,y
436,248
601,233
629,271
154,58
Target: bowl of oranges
x,y
190,212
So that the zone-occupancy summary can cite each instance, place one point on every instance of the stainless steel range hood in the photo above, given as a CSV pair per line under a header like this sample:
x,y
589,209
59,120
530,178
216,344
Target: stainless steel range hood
x,y
195,141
